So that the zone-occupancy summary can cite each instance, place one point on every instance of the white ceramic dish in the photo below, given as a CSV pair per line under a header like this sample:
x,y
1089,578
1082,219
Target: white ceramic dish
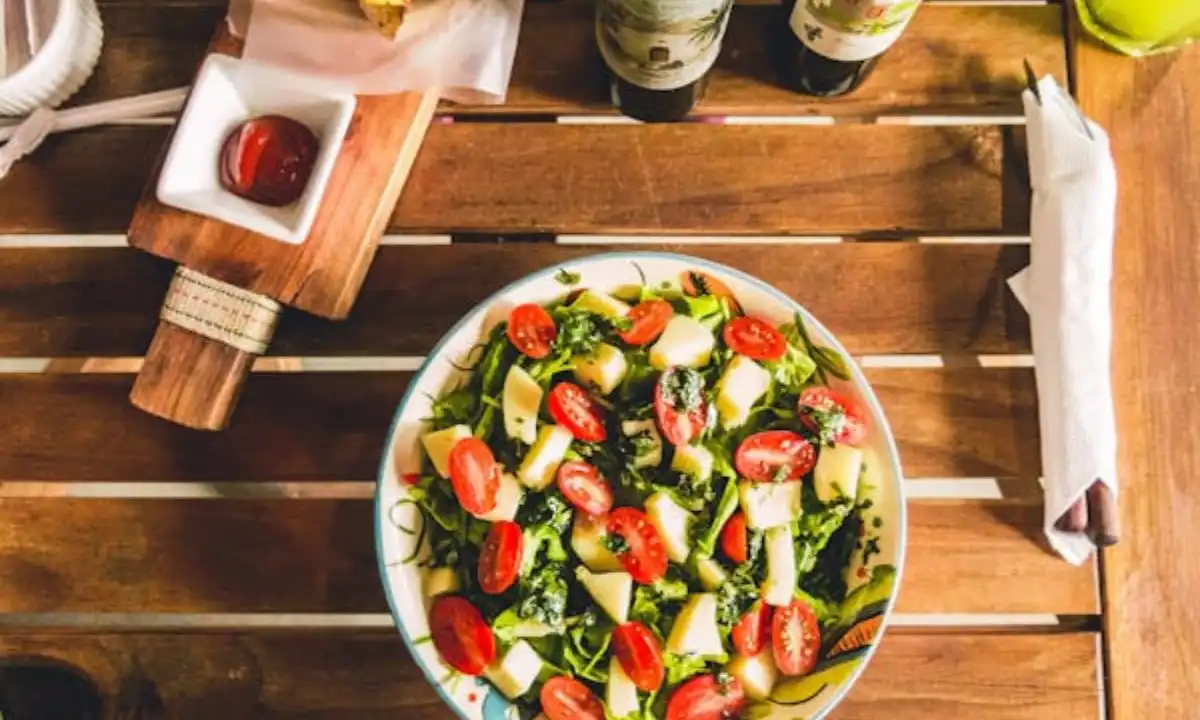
x,y
62,64
813,696
228,91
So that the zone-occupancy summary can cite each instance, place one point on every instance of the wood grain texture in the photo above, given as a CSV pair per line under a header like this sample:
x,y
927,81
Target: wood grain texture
x,y
190,379
902,297
366,676
217,556
323,274
664,179
1149,108
951,60
704,179
955,534
296,427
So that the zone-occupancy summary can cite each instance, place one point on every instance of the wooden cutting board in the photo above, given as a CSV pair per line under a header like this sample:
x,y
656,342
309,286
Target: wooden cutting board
x,y
232,283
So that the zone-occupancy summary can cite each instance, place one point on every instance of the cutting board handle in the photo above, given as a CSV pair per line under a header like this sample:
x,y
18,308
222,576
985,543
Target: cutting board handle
x,y
208,335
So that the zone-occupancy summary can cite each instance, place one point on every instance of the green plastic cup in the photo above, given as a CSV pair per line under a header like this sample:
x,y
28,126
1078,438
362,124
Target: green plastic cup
x,y
1142,27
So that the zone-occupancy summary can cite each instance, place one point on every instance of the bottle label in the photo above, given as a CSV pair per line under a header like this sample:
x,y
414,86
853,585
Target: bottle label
x,y
661,44
851,30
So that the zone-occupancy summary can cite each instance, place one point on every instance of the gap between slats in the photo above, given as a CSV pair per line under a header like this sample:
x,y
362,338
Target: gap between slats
x,y
111,240
980,488
138,622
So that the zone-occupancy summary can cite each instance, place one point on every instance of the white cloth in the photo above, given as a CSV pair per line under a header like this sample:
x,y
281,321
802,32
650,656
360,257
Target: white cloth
x,y
464,47
1065,289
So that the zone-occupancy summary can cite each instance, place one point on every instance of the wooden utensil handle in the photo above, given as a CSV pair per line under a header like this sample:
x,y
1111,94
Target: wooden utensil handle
x,y
208,336
1104,525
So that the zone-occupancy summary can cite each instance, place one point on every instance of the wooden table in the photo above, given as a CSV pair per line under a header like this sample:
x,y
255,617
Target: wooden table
x,y
233,575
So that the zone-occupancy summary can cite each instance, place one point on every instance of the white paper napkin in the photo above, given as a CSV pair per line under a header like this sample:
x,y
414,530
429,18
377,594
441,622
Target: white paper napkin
x,y
1065,289
464,47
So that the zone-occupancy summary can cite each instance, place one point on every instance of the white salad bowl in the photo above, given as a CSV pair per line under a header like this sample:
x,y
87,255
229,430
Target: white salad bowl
x,y
873,584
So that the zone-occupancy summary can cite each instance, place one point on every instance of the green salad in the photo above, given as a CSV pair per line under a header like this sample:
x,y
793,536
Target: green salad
x,y
641,504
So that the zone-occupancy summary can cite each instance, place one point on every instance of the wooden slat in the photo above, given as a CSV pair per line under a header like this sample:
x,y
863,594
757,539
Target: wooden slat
x,y
1149,108
952,60
365,676
920,298
331,426
534,177
60,555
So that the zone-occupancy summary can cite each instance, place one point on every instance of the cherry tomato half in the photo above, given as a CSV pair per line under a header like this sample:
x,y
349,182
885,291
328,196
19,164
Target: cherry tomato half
x,y
754,338
648,318
853,428
531,330
760,456
679,405
733,538
704,698
461,635
751,631
584,487
795,638
500,557
640,655
565,698
474,475
644,557
574,409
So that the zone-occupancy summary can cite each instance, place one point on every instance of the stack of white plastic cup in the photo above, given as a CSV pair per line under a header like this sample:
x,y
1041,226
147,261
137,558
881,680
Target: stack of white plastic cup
x,y
61,65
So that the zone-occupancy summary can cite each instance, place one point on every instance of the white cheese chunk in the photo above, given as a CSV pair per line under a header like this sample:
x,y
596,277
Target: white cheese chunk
x,y
612,591
514,675
740,386
695,631
836,473
674,525
601,304
756,674
438,445
620,695
769,504
684,342
441,581
780,584
712,575
538,469
508,499
693,460
521,400
587,540
651,455
603,369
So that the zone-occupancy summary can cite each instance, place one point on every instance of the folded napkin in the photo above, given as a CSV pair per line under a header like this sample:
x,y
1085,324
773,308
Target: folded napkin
x,y
1065,289
464,47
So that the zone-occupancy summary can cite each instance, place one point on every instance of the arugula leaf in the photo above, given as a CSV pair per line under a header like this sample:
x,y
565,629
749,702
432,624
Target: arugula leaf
x,y
814,531
709,310
585,646
566,277
545,517
828,612
542,594
706,542
454,408
824,359
682,667
656,606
